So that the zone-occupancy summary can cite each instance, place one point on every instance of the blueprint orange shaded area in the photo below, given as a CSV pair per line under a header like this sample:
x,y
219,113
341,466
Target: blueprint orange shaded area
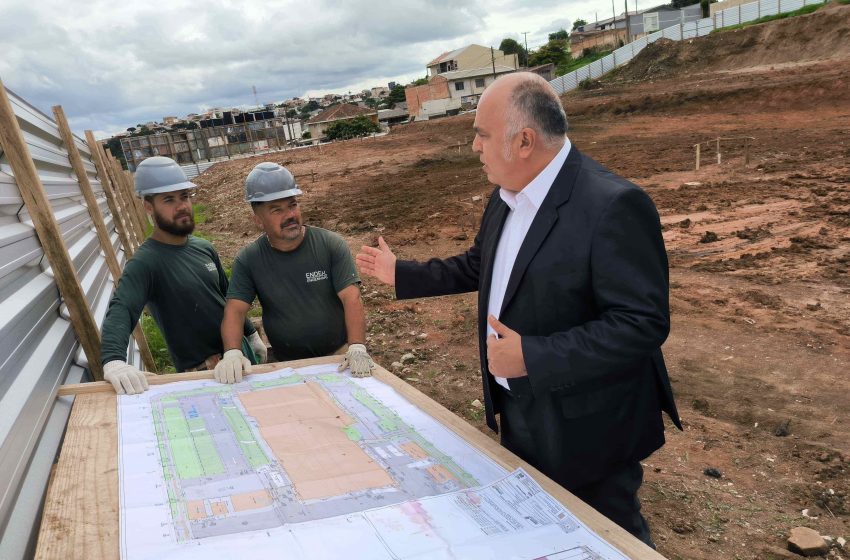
x,y
440,473
413,450
304,429
250,500
196,509
218,508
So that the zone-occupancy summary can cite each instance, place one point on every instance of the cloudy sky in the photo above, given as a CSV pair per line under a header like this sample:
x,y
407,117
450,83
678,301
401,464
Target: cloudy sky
x,y
114,64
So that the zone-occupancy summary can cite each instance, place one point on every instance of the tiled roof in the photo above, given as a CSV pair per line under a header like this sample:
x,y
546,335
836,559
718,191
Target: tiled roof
x,y
339,112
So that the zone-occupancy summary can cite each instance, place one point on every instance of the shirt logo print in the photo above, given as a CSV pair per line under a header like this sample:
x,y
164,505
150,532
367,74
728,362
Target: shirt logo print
x,y
210,266
316,276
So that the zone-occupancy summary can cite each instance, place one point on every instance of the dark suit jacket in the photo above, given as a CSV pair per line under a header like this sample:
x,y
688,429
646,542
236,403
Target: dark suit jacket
x,y
589,295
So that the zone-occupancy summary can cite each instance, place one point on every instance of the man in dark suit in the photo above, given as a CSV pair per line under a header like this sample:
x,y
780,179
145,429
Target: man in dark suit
x,y
572,282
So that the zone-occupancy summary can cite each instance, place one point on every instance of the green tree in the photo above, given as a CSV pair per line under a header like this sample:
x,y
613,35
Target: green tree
x,y
511,46
560,34
311,105
421,81
396,95
292,113
578,23
351,128
114,145
556,51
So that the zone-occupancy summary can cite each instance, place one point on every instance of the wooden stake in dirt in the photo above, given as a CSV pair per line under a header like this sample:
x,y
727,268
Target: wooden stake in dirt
x,y
746,152
97,219
32,191
718,150
696,168
109,190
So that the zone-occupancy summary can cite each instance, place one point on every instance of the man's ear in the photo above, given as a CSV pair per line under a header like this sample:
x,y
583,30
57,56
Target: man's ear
x,y
527,142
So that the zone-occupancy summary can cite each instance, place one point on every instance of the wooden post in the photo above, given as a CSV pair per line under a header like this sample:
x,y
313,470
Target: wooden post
x,y
129,205
97,152
97,219
172,150
697,158
123,208
746,151
137,201
32,191
718,150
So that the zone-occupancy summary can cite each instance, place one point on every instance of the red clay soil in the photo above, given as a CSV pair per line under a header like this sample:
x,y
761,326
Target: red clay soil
x,y
759,258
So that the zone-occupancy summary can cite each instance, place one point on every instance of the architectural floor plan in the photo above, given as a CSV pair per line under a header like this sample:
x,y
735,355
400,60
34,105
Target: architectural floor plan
x,y
314,462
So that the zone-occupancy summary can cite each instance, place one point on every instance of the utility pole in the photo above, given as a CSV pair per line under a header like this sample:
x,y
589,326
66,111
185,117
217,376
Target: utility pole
x,y
493,60
627,21
525,35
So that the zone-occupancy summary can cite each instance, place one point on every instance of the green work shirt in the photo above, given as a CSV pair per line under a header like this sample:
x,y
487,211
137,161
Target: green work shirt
x,y
302,313
184,288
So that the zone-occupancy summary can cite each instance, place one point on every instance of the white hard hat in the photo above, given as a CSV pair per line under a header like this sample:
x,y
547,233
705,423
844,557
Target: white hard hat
x,y
159,175
270,181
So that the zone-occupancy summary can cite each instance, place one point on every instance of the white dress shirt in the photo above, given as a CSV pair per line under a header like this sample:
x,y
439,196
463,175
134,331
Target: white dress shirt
x,y
523,207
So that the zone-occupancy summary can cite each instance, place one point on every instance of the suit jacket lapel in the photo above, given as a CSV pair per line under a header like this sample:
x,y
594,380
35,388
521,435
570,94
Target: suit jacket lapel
x,y
547,216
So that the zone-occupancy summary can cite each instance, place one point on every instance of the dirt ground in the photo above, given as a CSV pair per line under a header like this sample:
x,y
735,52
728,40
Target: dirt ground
x,y
759,265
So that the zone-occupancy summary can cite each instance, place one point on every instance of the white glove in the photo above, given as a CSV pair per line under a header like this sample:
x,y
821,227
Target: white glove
x,y
259,347
357,358
229,369
125,378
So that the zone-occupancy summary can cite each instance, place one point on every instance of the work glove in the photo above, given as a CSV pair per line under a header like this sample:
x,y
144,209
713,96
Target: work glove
x,y
231,366
259,347
358,360
125,378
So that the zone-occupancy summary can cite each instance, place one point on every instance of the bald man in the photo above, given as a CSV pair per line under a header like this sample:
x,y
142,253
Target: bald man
x,y
572,282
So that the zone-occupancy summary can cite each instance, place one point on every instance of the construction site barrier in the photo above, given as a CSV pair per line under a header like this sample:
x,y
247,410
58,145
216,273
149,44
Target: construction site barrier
x,y
66,228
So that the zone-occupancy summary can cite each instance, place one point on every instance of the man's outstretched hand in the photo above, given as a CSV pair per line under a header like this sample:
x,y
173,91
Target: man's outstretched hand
x,y
377,262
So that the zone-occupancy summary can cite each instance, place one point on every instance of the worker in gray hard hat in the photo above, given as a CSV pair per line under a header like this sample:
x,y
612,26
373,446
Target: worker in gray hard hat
x,y
178,276
304,278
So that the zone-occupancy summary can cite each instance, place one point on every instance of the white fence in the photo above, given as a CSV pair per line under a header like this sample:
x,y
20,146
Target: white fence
x,y
731,16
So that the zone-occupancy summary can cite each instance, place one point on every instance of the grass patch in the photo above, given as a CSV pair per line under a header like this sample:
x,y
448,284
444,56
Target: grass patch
x,y
580,62
156,342
800,12
201,216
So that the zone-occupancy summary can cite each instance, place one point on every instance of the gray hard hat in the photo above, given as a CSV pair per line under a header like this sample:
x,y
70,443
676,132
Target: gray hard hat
x,y
270,181
159,175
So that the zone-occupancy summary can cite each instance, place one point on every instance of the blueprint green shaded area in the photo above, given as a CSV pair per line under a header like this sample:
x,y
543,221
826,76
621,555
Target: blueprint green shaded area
x,y
185,457
331,378
352,433
210,461
173,397
288,380
250,448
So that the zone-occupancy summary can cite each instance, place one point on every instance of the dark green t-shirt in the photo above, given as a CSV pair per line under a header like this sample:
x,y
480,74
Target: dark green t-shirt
x,y
184,288
302,313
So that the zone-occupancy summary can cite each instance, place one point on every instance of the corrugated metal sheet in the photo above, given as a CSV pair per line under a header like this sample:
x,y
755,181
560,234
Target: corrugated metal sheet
x,y
678,32
38,348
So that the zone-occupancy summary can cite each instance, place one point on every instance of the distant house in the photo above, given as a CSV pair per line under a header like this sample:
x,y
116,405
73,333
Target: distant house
x,y
342,112
610,33
545,71
456,79
393,116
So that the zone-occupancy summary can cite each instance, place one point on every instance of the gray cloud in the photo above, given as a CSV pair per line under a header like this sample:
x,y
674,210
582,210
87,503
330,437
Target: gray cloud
x,y
112,65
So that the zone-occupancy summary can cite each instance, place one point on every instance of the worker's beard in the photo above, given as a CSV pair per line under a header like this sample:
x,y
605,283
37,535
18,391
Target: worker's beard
x,y
179,226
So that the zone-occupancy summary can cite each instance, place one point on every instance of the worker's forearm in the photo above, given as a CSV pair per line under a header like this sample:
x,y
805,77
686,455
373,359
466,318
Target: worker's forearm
x,y
355,320
232,327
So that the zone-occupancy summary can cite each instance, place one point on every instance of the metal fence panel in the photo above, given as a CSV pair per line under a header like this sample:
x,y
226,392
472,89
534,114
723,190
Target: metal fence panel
x,y
38,347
